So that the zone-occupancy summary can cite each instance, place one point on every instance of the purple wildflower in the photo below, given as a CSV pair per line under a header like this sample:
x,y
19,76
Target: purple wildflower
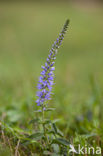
x,y
46,80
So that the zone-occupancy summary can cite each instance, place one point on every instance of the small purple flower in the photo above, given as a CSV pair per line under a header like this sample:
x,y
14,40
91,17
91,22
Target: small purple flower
x,y
46,80
51,78
52,68
46,64
52,64
48,60
40,86
43,72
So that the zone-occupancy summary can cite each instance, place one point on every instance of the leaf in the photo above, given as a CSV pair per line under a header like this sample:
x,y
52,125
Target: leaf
x,y
36,120
56,120
60,133
54,127
28,142
14,115
50,109
47,121
55,148
46,153
50,132
61,141
89,135
19,130
37,111
36,136
56,130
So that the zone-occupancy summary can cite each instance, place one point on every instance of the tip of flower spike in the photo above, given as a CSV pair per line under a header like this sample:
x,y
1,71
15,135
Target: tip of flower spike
x,y
66,25
67,22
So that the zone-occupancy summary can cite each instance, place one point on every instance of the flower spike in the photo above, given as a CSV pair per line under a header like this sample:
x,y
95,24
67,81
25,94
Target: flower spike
x,y
46,80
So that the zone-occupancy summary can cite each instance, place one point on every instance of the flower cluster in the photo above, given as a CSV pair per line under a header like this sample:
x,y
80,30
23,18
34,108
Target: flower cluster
x,y
46,80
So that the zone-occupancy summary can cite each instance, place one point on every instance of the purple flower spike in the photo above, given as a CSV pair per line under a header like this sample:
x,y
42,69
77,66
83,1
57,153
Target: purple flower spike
x,y
46,80
46,64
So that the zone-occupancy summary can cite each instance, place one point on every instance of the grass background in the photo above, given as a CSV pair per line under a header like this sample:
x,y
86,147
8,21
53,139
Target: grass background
x,y
27,31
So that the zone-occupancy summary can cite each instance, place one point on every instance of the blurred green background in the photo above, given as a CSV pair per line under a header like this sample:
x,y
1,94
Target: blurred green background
x,y
27,31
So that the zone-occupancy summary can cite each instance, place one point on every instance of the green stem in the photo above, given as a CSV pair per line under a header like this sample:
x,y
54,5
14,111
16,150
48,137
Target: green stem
x,y
44,126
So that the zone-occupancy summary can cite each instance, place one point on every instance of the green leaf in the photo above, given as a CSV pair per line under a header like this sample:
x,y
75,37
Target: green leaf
x,y
89,135
14,115
61,141
36,136
38,111
28,142
50,132
55,148
56,130
50,109
60,133
54,127
36,120
46,153
56,120
47,121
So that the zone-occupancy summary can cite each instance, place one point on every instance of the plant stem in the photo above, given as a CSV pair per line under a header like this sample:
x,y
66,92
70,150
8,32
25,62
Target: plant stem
x,y
44,126
43,119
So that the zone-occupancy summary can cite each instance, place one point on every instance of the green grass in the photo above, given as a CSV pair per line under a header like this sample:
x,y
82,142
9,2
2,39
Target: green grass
x,y
27,31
